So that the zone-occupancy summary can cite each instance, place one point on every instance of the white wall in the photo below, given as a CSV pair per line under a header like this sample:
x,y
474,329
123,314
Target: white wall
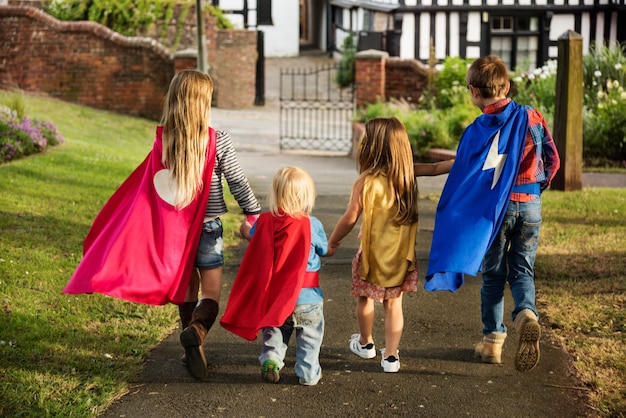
x,y
407,39
282,39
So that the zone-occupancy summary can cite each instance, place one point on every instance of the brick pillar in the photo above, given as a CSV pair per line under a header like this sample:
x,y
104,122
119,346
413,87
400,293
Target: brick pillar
x,y
185,59
369,77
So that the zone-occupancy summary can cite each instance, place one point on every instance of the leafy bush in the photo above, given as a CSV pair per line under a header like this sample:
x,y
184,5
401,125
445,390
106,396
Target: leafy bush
x,y
21,136
440,120
450,82
537,89
604,121
129,17
427,128
601,65
222,21
70,10
345,73
605,127
604,102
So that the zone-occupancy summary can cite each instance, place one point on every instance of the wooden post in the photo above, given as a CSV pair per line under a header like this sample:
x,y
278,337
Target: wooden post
x,y
568,112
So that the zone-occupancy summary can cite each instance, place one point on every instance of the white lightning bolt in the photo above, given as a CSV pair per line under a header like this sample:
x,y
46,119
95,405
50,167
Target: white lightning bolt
x,y
495,160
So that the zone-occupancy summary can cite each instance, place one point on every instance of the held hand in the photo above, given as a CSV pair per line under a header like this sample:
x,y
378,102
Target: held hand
x,y
244,230
332,249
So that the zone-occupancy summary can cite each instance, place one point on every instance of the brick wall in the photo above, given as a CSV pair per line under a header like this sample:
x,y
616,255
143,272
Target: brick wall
x,y
237,54
82,62
379,77
405,79
87,63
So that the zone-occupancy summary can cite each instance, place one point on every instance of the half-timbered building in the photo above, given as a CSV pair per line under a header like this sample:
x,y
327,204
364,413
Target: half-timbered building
x,y
523,32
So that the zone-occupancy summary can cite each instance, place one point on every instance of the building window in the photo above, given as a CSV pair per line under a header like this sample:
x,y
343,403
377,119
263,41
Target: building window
x,y
264,12
515,39
368,20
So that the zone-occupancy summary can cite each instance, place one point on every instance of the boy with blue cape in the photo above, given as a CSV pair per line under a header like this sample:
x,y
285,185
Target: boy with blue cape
x,y
490,211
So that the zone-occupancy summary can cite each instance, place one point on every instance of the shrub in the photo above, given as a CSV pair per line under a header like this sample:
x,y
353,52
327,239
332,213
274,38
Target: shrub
x,y
21,136
345,73
604,101
129,17
600,65
605,127
222,21
537,89
70,10
439,121
427,128
450,81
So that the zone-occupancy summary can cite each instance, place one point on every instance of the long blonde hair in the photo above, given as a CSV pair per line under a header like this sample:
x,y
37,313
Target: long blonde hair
x,y
185,120
292,192
385,149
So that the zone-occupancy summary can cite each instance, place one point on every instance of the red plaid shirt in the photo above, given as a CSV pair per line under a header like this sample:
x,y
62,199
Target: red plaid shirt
x,y
540,159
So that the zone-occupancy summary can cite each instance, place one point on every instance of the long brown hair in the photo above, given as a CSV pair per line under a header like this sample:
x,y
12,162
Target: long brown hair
x,y
385,149
185,120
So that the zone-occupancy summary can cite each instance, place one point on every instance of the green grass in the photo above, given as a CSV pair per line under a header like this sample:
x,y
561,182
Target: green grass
x,y
69,355
64,355
581,285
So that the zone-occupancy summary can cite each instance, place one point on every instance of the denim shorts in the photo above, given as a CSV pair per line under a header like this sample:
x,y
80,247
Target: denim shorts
x,y
210,252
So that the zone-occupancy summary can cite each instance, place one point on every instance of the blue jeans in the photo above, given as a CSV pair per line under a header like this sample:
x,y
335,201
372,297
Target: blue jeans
x,y
308,321
511,258
210,252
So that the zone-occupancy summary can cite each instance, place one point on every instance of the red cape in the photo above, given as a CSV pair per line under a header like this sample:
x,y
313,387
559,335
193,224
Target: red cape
x,y
141,248
270,277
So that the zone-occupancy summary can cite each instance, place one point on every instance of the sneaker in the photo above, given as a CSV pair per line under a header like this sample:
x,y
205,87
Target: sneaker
x,y
391,364
269,371
364,351
306,383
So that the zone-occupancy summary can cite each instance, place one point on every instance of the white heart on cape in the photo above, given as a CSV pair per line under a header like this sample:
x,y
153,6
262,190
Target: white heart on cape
x,y
165,185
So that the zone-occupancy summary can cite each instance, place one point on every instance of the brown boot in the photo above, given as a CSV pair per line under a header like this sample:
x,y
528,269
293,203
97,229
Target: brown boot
x,y
192,337
490,348
185,310
527,331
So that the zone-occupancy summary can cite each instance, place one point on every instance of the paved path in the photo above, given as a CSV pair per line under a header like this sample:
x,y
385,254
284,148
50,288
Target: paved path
x,y
439,376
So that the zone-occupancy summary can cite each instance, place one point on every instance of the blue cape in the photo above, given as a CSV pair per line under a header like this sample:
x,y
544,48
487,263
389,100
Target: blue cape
x,y
475,196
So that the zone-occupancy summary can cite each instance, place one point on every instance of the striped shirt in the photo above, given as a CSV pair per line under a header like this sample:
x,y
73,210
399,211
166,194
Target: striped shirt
x,y
227,165
540,159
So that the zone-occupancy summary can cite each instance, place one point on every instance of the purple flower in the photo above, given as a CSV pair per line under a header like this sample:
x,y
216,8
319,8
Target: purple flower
x,y
24,136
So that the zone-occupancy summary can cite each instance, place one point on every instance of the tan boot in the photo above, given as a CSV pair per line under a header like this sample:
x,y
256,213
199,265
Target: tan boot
x,y
490,348
192,337
527,331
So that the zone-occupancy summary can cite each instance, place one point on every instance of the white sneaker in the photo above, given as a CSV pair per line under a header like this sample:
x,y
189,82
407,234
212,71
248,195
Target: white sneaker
x,y
364,351
390,364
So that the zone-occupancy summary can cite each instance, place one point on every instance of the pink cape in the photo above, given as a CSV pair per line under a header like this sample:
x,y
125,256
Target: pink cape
x,y
140,248
270,276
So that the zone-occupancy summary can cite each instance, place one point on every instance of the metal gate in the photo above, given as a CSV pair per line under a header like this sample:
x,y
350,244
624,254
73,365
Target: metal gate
x,y
315,113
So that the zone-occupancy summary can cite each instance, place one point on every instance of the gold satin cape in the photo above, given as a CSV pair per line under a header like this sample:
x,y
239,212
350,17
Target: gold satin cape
x,y
387,248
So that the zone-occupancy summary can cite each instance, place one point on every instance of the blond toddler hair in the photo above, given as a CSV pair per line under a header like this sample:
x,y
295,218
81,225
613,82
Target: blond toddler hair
x,y
292,193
